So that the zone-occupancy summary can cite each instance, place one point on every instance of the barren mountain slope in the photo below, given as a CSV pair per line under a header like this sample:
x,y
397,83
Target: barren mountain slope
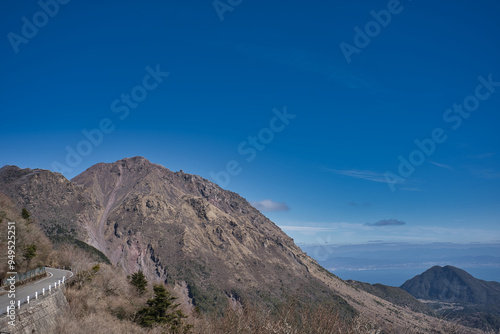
x,y
179,227
185,230
58,204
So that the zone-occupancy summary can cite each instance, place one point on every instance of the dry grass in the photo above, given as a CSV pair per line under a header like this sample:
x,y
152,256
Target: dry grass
x,y
27,233
103,301
287,319
103,291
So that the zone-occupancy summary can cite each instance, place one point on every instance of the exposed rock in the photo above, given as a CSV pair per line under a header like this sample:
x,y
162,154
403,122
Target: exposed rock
x,y
187,231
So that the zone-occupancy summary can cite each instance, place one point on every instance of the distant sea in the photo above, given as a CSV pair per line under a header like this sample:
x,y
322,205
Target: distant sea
x,y
396,277
395,263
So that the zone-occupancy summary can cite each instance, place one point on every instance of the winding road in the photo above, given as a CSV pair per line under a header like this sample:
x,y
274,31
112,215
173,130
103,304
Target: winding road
x,y
22,292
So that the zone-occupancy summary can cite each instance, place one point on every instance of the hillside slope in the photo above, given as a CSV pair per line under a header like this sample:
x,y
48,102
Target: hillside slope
x,y
456,294
180,227
185,230
453,285
394,295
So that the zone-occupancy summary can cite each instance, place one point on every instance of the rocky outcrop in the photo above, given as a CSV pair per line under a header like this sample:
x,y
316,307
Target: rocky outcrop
x,y
175,227
188,232
39,316
58,204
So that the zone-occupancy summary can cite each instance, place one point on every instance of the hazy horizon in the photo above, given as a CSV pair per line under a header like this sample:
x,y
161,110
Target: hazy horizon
x,y
394,263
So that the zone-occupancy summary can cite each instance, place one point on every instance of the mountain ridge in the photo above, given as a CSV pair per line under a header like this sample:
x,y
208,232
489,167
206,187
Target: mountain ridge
x,y
143,216
183,229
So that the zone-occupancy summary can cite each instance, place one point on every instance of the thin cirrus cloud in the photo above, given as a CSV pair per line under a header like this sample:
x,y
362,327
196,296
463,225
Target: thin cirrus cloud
x,y
371,176
387,222
441,165
269,205
319,233
360,174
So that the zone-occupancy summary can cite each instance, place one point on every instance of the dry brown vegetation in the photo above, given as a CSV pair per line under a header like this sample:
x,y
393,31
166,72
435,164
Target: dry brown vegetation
x,y
101,300
289,318
27,233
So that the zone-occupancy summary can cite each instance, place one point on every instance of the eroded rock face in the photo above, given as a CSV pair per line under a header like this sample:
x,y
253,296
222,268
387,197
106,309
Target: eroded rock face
x,y
176,227
59,205
211,244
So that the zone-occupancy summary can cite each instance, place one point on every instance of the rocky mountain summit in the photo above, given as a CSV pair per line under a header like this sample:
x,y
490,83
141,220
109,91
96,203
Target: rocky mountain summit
x,y
187,231
175,227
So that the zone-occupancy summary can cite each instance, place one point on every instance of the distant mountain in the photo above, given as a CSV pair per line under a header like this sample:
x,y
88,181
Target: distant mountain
x,y
453,285
394,295
454,293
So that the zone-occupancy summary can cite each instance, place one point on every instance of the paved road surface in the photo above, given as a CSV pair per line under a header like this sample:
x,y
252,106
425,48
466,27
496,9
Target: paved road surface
x,y
22,292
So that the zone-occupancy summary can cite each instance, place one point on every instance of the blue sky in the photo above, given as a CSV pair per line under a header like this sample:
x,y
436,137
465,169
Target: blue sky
x,y
176,84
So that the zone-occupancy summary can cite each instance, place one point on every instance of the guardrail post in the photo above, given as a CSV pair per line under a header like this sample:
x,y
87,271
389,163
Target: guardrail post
x,y
50,288
36,295
43,291
64,278
19,304
28,299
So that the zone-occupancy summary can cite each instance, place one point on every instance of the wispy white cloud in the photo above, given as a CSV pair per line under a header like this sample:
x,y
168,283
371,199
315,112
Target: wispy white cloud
x,y
357,233
269,205
441,165
387,222
322,229
360,174
374,177
308,229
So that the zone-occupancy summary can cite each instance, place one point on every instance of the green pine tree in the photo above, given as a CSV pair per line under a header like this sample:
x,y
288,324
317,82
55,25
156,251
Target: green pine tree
x,y
139,281
163,311
30,253
25,214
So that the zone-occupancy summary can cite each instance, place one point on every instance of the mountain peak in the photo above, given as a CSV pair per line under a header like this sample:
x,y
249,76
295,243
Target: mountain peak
x,y
451,284
185,230
135,160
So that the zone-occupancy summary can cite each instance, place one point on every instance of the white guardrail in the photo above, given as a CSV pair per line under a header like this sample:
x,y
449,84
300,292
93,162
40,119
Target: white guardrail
x,y
47,290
